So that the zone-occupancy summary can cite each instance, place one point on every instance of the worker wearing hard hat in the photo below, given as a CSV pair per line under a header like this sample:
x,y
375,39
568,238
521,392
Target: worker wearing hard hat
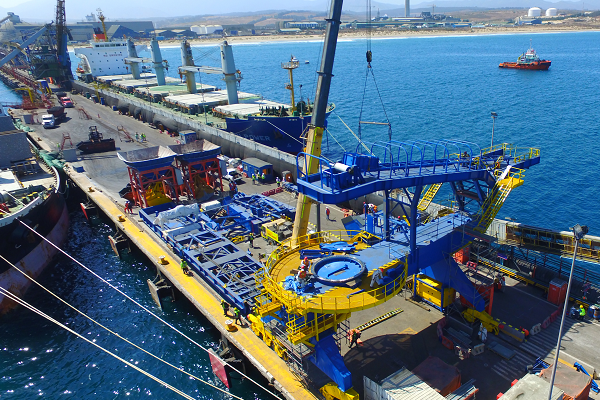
x,y
581,312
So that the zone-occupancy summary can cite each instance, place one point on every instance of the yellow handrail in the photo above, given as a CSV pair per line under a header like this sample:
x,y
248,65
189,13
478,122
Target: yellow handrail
x,y
330,304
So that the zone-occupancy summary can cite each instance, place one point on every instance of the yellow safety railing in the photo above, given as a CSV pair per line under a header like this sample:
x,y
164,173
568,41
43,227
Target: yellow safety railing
x,y
532,153
515,173
296,304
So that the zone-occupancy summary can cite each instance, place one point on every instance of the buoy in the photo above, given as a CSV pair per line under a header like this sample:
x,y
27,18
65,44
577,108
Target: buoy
x,y
121,218
162,260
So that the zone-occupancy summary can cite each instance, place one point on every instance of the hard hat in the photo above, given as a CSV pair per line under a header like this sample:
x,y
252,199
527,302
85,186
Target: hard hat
x,y
581,306
306,259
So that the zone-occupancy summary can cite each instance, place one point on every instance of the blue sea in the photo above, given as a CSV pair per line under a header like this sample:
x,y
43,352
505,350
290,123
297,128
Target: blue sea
x,y
446,88
431,88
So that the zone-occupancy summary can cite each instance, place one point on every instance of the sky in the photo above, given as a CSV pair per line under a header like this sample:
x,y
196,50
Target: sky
x,y
140,9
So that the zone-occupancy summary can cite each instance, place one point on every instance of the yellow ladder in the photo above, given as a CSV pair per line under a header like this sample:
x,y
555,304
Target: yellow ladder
x,y
494,202
429,195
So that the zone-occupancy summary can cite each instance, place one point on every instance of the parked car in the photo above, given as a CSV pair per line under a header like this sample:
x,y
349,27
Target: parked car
x,y
66,102
48,121
233,175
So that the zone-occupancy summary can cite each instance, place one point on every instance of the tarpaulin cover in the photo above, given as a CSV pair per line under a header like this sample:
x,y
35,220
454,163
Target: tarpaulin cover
x,y
179,211
576,385
450,275
442,377
328,359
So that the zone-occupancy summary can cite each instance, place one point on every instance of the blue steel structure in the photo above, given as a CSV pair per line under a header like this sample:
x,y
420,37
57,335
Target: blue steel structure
x,y
473,174
202,240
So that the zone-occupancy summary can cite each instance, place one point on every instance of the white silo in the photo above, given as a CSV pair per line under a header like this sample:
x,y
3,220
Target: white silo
x,y
196,29
551,12
534,12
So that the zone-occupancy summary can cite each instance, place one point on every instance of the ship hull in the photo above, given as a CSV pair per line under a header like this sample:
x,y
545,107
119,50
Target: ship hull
x,y
538,66
283,133
28,251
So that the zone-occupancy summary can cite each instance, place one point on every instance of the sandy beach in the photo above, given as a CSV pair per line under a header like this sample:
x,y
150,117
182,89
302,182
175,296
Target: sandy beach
x,y
380,34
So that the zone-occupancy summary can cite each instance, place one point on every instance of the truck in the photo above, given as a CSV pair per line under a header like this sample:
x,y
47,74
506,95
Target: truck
x,y
66,102
48,121
58,112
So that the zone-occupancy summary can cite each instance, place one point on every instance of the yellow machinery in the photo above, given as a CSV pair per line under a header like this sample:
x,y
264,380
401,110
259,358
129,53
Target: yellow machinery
x,y
432,292
101,17
486,319
276,231
155,195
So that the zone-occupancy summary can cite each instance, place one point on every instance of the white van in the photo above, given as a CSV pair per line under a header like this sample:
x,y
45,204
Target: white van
x,y
48,121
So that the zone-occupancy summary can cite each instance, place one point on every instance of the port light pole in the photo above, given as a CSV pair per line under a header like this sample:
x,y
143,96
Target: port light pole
x,y
494,116
578,232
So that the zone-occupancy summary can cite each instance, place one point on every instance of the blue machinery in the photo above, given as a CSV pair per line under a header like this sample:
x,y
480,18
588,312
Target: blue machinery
x,y
302,323
205,240
480,181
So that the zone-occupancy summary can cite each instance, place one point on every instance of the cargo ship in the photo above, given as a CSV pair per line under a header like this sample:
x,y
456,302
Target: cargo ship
x,y
528,60
278,125
30,194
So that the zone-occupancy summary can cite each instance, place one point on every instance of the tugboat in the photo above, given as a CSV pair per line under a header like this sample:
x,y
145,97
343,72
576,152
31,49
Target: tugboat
x,y
528,60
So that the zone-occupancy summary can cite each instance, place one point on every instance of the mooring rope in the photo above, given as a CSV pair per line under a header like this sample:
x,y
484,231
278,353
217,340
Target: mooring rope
x,y
147,310
49,318
115,333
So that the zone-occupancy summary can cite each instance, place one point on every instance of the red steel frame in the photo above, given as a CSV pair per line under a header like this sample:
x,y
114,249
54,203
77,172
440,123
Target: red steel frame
x,y
141,180
202,168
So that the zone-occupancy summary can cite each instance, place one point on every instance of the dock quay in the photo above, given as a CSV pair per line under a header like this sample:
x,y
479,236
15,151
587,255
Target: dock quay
x,y
233,145
405,339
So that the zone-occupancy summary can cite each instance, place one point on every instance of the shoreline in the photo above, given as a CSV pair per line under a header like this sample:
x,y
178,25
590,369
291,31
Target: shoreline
x,y
377,35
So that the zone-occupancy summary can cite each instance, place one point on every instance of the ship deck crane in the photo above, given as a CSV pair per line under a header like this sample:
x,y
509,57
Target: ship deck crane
x,y
101,17
317,124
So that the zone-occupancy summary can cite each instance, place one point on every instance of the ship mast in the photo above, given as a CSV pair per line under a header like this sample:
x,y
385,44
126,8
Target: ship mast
x,y
101,17
291,66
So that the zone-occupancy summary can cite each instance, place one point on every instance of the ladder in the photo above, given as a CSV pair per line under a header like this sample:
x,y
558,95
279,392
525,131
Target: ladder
x,y
121,130
65,137
379,319
494,202
428,197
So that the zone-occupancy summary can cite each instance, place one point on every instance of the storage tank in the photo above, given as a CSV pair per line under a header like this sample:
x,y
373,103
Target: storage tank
x,y
534,12
196,29
551,12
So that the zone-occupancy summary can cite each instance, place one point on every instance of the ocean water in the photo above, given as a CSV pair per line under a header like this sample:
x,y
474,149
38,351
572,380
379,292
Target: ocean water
x,y
431,88
41,360
446,88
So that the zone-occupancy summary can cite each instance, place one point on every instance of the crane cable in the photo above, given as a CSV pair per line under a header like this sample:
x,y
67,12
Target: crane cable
x,y
49,318
369,56
352,132
147,310
115,333
331,134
